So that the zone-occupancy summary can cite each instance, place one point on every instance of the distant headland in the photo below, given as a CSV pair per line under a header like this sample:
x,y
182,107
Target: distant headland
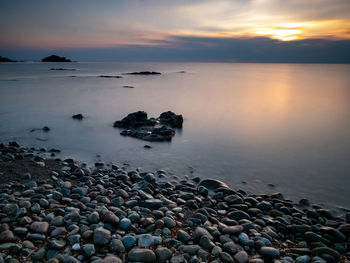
x,y
3,59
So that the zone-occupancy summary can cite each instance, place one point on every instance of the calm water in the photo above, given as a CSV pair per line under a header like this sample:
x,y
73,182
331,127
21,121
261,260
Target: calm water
x,y
249,125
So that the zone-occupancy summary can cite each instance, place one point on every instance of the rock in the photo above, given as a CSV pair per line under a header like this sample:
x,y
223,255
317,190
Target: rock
x,y
200,231
269,252
117,246
241,257
168,222
6,236
177,258
190,249
39,227
101,236
71,259
183,236
238,215
145,240
319,251
94,217
141,255
133,120
232,230
88,249
111,259
78,116
230,247
226,257
125,223
54,58
46,129
129,241
213,184
163,254
206,243
57,244
143,73
171,119
110,218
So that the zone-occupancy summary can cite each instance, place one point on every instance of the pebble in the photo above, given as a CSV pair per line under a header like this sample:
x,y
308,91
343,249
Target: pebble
x,y
101,236
141,255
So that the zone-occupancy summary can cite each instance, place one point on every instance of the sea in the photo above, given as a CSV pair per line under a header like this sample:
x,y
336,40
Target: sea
x,y
259,127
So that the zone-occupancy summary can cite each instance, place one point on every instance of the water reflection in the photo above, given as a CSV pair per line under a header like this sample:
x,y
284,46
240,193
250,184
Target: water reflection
x,y
284,124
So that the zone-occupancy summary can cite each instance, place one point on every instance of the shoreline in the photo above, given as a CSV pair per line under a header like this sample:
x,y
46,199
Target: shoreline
x,y
63,211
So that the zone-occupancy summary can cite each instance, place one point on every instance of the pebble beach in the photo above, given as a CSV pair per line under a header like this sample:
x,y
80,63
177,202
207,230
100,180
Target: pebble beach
x,y
55,210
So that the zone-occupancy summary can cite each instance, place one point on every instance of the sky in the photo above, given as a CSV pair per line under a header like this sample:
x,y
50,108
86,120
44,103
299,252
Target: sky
x,y
180,30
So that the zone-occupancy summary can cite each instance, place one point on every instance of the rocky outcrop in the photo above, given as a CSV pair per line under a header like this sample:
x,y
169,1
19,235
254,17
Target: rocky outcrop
x,y
138,125
54,58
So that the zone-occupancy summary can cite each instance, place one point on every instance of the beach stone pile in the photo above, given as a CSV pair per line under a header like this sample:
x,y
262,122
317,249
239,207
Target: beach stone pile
x,y
108,214
138,125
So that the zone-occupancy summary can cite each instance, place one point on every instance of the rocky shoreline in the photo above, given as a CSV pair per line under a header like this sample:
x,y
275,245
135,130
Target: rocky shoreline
x,y
55,210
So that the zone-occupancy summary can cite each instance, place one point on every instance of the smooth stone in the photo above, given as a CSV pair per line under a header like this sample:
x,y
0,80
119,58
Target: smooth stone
x,y
238,215
168,222
200,231
183,236
117,246
213,184
241,257
142,255
226,257
125,223
89,249
303,259
163,254
6,236
111,259
232,230
101,236
319,251
39,227
57,244
129,241
269,252
177,258
145,240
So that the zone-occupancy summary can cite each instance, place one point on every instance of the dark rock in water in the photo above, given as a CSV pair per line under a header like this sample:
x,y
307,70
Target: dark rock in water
x,y
46,129
3,59
143,73
54,58
171,119
109,76
147,146
213,184
128,87
78,116
67,69
133,120
139,126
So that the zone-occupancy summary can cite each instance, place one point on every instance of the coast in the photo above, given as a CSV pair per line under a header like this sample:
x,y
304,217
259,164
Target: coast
x,y
55,210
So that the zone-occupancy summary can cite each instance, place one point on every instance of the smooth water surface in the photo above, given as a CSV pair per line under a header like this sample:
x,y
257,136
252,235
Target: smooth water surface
x,y
249,125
